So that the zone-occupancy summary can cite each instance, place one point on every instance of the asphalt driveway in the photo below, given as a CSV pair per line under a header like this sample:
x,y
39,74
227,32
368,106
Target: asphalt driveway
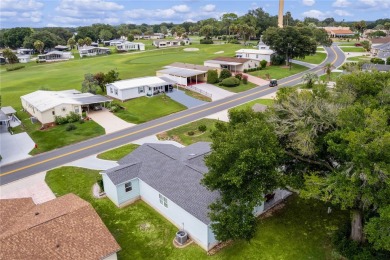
x,y
14,147
181,97
216,92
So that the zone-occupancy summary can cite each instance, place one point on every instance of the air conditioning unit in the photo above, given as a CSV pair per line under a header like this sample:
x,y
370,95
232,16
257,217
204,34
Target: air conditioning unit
x,y
181,237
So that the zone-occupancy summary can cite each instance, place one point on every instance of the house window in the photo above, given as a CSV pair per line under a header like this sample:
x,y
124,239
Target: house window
x,y
141,90
53,113
116,92
111,90
163,200
128,186
76,110
63,109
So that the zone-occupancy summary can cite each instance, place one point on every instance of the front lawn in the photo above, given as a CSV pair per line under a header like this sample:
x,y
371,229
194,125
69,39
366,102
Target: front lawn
x,y
333,76
181,133
314,59
240,88
57,136
267,102
359,58
300,230
143,109
279,72
118,153
352,49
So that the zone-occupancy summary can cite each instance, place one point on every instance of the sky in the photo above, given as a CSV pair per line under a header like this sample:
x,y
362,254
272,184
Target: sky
x,y
73,13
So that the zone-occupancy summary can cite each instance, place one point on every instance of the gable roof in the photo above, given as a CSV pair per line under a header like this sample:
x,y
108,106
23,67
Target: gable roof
x,y
174,172
64,228
140,82
379,67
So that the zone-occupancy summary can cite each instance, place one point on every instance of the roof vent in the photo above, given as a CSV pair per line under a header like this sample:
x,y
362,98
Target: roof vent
x,y
36,213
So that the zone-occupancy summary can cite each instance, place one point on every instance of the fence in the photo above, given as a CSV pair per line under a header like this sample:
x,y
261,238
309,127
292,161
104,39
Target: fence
x,y
198,90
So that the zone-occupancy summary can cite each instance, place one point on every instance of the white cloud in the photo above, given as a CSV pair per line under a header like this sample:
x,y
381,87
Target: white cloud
x,y
181,8
143,13
341,3
316,14
84,7
382,4
342,13
208,8
27,5
308,2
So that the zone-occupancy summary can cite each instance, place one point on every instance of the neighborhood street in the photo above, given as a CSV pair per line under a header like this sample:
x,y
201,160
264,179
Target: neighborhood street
x,y
58,157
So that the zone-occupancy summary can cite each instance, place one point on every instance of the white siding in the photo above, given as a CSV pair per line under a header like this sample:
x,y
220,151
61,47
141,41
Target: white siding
x,y
214,65
178,80
128,197
110,189
111,257
124,94
197,230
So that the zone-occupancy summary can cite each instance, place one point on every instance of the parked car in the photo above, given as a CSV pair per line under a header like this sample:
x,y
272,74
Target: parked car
x,y
95,107
273,83
358,44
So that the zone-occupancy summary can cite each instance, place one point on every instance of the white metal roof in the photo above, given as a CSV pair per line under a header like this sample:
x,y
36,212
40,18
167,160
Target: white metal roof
x,y
8,110
44,100
223,62
139,82
181,72
250,51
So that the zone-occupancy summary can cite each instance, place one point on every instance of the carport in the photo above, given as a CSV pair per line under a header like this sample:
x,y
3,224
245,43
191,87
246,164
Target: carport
x,y
86,102
182,76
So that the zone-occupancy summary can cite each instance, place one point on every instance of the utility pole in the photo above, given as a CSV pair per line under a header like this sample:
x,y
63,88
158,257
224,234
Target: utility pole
x,y
280,15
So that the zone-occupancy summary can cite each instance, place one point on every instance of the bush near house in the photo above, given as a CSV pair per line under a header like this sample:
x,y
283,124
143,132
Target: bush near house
x,y
212,76
206,41
277,60
263,64
71,118
388,61
230,82
245,79
238,76
377,61
225,73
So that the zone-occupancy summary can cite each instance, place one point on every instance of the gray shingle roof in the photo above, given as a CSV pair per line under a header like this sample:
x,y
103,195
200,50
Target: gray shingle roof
x,y
379,67
174,172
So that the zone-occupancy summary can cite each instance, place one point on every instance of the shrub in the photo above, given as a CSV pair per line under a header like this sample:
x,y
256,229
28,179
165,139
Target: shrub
x,y
245,70
225,73
388,61
84,114
70,127
202,128
234,41
238,76
277,60
259,68
377,61
101,185
263,64
114,109
15,68
212,76
230,82
206,41
190,133
60,120
224,38
245,79
182,43
81,121
73,117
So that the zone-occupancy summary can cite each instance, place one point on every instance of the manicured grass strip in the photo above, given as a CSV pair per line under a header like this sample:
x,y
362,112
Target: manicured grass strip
x,y
118,153
278,72
195,95
267,102
315,59
359,58
352,49
57,136
180,134
154,242
333,76
301,230
142,109
240,88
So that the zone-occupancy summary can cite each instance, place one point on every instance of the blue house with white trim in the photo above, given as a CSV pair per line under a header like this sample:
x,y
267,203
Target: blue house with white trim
x,y
168,179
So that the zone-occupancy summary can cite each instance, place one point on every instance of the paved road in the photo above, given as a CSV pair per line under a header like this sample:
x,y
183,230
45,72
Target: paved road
x,y
55,158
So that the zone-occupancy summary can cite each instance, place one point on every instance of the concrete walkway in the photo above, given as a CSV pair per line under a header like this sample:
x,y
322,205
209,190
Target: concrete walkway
x,y
306,64
154,139
109,121
216,92
14,147
93,163
33,187
181,97
256,80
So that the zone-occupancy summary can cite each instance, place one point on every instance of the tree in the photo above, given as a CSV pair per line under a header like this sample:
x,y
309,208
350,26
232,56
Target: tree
x,y
130,37
63,33
50,40
289,42
328,70
309,78
89,84
99,78
387,27
81,42
207,31
178,30
360,26
87,41
38,45
105,35
225,73
380,240
10,56
377,34
366,45
111,76
14,38
212,76
71,42
246,31
227,20
242,167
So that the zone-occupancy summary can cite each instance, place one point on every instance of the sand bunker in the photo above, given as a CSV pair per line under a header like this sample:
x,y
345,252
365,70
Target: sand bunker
x,y
191,49
219,52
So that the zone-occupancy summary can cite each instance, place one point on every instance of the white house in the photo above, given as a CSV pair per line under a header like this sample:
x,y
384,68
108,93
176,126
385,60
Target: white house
x,y
232,64
55,56
255,54
138,87
23,58
170,43
185,73
24,51
168,179
45,105
93,51
130,46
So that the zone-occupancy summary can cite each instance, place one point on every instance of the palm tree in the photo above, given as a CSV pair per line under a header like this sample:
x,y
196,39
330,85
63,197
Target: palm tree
x,y
39,45
309,78
328,69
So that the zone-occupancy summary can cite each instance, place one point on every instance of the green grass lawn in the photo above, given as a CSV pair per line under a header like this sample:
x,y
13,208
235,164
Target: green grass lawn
x,y
352,49
70,74
359,58
315,59
333,76
240,88
57,136
301,230
278,72
180,134
142,109
250,104
118,153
